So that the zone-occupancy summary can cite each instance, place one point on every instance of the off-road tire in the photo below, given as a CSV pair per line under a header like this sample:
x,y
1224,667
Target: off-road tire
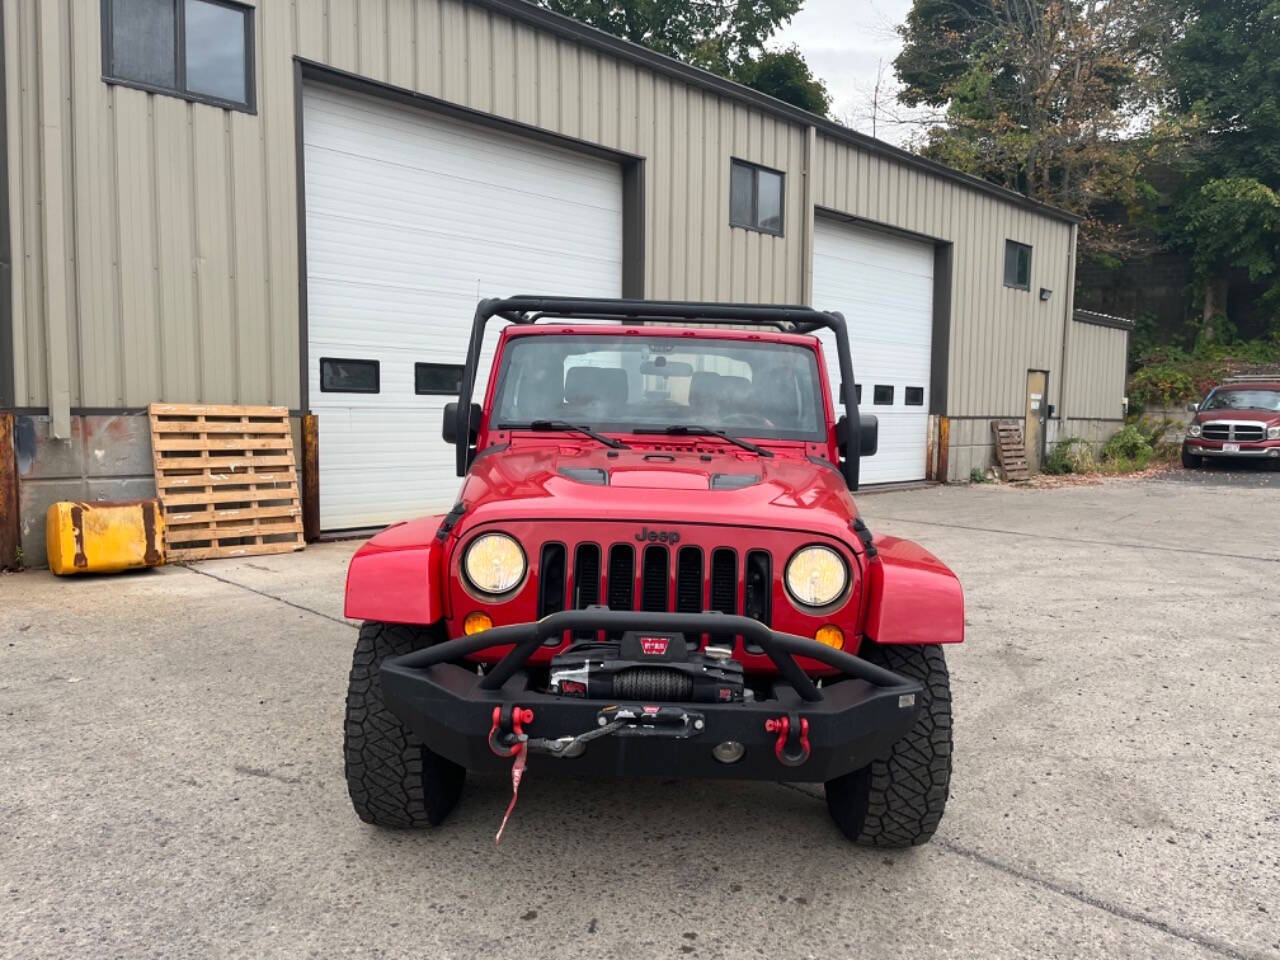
x,y
897,800
1190,461
393,779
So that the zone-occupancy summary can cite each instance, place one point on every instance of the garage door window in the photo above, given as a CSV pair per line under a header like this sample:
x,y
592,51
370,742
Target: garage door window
x,y
195,49
1017,265
755,198
914,397
349,376
883,396
442,379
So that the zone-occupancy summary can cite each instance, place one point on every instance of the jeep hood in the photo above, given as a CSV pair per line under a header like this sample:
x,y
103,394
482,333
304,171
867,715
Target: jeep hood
x,y
734,487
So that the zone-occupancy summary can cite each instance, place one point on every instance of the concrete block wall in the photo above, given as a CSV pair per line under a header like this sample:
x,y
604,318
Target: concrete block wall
x,y
108,457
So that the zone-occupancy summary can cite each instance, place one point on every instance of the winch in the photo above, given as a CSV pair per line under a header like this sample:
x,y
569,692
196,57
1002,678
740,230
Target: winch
x,y
647,666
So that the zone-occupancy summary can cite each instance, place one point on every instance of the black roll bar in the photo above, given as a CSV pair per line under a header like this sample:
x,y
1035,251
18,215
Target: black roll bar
x,y
527,310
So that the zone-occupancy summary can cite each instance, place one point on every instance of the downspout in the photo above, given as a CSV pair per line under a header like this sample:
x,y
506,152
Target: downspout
x,y
806,232
53,196
1067,310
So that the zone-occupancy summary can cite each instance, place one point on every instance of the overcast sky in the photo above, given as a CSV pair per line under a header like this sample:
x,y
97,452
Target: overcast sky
x,y
845,41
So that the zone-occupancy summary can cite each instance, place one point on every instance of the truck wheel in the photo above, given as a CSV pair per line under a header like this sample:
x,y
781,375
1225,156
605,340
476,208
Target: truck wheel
x,y
897,800
393,779
1189,460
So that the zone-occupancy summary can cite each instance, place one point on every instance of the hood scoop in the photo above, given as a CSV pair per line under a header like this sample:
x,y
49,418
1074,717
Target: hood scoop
x,y
733,481
594,476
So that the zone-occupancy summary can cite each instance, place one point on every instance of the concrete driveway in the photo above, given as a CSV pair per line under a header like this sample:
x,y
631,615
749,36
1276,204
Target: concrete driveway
x,y
173,786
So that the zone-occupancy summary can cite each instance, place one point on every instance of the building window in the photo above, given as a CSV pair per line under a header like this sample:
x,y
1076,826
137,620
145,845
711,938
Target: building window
x,y
882,396
443,379
755,198
349,376
1017,265
913,396
195,49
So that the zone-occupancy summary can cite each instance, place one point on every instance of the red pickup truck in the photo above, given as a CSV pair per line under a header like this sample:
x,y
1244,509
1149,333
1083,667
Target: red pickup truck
x,y
1237,419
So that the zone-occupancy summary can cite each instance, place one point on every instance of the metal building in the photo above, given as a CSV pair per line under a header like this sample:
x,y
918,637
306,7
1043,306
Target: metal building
x,y
299,203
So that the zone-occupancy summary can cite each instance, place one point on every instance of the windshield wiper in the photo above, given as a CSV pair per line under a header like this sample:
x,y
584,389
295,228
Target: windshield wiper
x,y
694,430
543,425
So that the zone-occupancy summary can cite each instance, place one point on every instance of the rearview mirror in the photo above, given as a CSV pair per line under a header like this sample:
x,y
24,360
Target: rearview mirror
x,y
1193,407
662,367
449,428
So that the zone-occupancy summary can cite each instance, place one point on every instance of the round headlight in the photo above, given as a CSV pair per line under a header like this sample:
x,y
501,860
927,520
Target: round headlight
x,y
816,576
1193,430
494,563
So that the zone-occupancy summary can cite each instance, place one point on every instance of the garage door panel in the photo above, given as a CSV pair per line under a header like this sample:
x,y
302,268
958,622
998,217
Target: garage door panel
x,y
884,287
410,220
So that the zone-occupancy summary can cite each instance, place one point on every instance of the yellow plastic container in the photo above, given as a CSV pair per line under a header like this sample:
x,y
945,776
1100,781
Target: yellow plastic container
x,y
104,537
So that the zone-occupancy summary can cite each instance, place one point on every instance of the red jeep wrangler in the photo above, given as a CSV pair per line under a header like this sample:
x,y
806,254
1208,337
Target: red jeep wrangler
x,y
654,568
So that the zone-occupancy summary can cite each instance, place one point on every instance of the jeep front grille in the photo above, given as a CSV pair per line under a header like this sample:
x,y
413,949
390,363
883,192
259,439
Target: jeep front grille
x,y
656,577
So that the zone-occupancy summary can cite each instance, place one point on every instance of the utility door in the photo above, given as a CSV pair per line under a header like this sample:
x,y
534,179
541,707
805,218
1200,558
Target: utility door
x,y
1037,410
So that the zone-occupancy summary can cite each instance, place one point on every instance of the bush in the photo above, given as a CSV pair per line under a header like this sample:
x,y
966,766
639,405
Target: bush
x,y
1072,455
977,475
1171,376
1127,443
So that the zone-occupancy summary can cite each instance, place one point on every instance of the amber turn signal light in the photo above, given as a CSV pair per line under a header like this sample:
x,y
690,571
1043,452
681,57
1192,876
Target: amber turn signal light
x,y
477,622
831,636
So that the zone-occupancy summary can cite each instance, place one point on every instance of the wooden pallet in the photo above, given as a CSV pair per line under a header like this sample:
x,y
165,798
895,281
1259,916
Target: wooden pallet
x,y
226,479
1011,451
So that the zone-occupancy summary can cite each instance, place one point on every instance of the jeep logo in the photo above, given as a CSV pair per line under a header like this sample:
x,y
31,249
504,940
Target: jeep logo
x,y
658,536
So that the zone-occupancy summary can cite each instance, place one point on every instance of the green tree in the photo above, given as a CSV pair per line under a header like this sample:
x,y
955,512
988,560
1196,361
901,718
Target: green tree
x,y
724,36
785,74
1222,71
1040,96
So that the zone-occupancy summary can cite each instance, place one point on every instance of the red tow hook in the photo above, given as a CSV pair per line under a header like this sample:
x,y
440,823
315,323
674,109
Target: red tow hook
x,y
783,726
519,749
519,717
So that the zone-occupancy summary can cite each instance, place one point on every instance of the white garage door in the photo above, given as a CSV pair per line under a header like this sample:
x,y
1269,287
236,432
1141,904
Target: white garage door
x,y
411,219
884,287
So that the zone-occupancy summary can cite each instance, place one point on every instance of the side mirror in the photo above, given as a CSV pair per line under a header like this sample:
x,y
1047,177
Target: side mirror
x,y
868,435
1193,407
449,428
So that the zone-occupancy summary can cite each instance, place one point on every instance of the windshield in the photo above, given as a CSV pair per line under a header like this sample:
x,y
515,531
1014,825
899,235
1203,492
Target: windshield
x,y
628,383
1243,400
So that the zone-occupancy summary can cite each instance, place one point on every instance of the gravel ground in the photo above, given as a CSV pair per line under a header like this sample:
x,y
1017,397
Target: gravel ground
x,y
173,782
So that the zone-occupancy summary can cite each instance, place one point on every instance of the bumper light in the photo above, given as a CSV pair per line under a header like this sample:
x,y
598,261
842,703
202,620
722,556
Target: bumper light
x,y
731,751
476,623
831,636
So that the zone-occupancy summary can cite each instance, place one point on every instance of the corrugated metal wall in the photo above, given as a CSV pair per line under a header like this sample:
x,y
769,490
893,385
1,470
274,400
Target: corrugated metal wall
x,y
176,240
1096,358
998,333
181,275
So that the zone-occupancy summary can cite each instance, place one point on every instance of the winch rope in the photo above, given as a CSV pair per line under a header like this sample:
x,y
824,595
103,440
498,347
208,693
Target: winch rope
x,y
558,748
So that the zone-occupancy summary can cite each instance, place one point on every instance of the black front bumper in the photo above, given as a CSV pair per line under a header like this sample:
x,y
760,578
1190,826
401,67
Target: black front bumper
x,y
847,722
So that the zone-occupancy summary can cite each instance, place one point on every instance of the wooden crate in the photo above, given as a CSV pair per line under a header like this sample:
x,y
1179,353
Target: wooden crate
x,y
1011,452
226,480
